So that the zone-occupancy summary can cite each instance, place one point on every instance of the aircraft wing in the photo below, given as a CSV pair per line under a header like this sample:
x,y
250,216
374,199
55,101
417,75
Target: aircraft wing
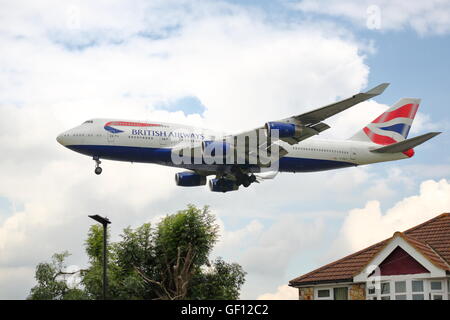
x,y
320,114
310,123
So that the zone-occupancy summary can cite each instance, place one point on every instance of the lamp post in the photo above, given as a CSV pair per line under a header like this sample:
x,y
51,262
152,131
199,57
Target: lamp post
x,y
104,222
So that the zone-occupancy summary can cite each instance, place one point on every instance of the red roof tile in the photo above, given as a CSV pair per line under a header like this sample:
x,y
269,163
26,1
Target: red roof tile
x,y
431,239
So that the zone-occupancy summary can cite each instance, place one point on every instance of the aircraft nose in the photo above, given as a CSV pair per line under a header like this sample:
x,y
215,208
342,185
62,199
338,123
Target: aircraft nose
x,y
60,139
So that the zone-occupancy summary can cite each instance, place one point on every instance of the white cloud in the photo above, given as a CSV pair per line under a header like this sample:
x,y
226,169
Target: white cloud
x,y
366,226
425,17
266,252
280,243
346,124
283,292
229,240
13,280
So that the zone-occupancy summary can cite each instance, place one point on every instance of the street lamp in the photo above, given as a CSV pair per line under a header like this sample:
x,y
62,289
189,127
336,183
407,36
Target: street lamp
x,y
104,222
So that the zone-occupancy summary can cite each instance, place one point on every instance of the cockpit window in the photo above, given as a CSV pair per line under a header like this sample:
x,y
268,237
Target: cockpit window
x,y
88,121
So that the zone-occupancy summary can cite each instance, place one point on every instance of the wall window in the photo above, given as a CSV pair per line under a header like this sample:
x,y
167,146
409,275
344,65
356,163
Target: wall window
x,y
371,293
340,293
436,285
400,287
417,286
331,293
371,290
410,289
417,290
385,291
385,288
323,293
436,290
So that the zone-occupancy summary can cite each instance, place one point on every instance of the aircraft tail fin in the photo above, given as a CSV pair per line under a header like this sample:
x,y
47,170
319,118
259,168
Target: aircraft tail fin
x,y
391,126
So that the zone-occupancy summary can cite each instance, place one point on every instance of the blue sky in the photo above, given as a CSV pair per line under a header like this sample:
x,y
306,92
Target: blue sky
x,y
229,66
188,104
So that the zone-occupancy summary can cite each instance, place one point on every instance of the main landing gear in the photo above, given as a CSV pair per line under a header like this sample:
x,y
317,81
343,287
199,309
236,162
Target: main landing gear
x,y
243,178
98,169
247,180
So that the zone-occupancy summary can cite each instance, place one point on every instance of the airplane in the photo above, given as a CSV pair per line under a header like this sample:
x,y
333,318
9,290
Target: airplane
x,y
284,145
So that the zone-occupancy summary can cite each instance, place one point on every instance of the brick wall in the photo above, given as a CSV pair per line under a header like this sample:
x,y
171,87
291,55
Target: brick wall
x,y
357,292
306,293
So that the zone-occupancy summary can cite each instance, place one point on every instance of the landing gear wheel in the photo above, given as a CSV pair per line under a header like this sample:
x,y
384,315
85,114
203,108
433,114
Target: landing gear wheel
x,y
98,169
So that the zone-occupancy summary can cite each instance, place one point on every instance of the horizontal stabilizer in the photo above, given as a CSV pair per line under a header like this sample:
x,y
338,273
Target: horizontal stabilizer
x,y
406,144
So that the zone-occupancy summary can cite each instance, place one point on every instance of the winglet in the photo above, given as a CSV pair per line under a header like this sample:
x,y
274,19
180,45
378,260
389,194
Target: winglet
x,y
378,89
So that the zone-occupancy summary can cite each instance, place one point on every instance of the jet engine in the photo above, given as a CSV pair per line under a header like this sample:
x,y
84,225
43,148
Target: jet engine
x,y
285,130
222,185
189,179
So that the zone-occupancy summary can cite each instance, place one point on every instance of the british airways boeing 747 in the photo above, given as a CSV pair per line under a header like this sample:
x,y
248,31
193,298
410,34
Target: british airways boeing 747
x,y
248,157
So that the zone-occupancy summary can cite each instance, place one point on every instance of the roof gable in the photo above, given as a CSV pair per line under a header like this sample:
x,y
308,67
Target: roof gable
x,y
399,262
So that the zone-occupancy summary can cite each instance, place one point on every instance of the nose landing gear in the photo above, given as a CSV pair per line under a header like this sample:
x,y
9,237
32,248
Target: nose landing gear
x,y
98,169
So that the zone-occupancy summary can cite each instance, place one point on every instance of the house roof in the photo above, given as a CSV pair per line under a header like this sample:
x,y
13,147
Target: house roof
x,y
431,239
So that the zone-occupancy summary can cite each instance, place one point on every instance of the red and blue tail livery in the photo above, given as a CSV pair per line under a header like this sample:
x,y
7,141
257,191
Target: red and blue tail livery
x,y
391,126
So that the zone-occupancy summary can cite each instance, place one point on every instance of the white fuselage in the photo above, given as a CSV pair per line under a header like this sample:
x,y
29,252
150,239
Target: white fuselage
x,y
154,144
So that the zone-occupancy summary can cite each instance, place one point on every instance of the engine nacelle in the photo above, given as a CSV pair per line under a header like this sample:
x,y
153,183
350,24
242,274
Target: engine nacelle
x,y
213,148
285,130
222,185
189,179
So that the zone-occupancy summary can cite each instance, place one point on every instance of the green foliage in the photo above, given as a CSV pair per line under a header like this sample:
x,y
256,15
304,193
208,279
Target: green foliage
x,y
135,251
94,243
49,287
169,261
183,242
221,282
191,226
